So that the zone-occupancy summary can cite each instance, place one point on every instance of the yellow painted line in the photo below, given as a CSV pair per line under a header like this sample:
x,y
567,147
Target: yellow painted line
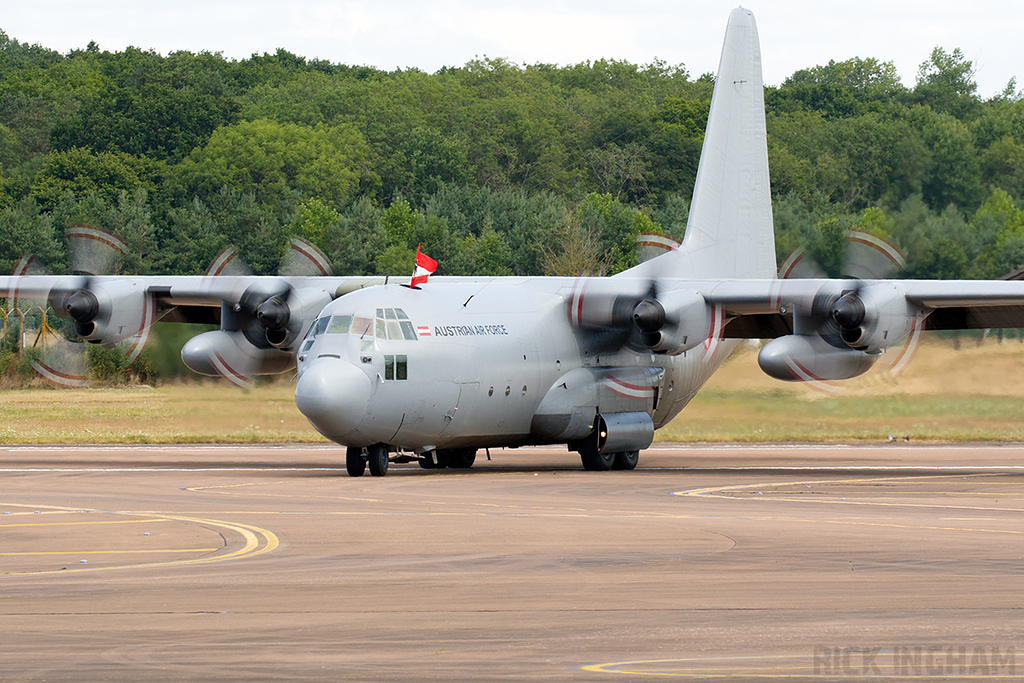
x,y
216,490
255,541
109,552
830,497
700,669
123,521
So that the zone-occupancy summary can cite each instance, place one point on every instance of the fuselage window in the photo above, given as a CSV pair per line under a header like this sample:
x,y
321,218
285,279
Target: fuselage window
x,y
396,367
321,325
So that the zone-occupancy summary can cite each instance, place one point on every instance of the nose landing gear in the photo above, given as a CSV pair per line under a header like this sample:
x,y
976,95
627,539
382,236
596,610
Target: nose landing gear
x,y
357,459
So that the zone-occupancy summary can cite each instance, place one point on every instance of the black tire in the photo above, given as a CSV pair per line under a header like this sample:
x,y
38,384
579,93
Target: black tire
x,y
461,458
594,461
377,459
427,462
355,463
588,456
626,460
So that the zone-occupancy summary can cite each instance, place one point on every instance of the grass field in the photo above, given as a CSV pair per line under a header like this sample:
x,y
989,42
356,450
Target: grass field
x,y
975,393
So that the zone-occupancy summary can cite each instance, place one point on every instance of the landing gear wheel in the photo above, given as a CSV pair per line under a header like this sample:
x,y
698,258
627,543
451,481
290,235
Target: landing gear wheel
x,y
435,460
355,463
626,460
461,458
377,459
594,461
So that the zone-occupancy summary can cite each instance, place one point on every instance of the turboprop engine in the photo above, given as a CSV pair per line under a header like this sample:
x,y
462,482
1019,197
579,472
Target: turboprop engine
x,y
105,312
259,333
286,315
670,322
840,335
873,317
674,322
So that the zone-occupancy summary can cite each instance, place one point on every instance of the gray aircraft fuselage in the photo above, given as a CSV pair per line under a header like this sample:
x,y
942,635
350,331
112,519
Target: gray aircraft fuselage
x,y
479,364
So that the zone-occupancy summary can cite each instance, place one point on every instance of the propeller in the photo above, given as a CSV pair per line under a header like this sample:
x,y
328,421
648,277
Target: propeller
x,y
91,251
262,324
842,315
648,320
267,308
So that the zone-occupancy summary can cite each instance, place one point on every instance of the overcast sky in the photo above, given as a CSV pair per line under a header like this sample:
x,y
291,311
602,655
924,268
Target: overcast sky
x,y
430,34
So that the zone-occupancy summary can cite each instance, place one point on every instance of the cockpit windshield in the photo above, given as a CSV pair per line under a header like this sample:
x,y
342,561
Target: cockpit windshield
x,y
389,324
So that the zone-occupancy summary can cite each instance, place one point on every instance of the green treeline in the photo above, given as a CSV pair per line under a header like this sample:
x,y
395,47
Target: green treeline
x,y
496,168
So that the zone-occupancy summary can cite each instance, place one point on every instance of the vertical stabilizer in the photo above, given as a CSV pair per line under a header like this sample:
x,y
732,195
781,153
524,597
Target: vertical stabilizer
x,y
730,232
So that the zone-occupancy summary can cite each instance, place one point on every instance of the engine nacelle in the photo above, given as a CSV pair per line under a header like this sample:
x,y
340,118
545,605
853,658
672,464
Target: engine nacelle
x,y
675,322
804,358
230,354
874,317
288,317
108,312
600,310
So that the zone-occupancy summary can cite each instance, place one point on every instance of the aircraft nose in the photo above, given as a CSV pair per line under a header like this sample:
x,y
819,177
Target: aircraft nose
x,y
333,395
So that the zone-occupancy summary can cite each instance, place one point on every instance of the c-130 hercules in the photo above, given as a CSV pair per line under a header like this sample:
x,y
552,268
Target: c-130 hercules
x,y
434,373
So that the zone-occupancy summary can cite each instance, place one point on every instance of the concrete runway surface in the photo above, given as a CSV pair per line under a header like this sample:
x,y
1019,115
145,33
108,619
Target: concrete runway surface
x,y
719,563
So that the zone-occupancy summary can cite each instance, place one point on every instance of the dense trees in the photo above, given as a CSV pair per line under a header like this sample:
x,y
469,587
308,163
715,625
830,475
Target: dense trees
x,y
493,167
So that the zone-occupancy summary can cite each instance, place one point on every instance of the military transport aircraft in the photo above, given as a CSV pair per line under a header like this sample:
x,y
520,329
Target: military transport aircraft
x,y
437,371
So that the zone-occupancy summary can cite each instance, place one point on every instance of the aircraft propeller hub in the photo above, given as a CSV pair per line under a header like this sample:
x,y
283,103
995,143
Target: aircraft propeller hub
x,y
82,306
649,315
848,311
273,313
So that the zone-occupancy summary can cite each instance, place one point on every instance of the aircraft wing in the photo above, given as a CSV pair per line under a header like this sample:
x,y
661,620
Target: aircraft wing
x,y
765,309
262,319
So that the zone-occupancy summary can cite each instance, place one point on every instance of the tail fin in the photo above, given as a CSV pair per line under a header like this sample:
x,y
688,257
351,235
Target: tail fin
x,y
730,232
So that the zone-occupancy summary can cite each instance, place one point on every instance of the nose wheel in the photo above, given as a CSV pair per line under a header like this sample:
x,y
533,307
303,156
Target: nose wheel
x,y
377,459
375,456
355,461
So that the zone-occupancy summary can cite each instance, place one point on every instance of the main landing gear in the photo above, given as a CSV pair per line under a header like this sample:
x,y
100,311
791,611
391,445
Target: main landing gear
x,y
596,461
454,458
593,461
